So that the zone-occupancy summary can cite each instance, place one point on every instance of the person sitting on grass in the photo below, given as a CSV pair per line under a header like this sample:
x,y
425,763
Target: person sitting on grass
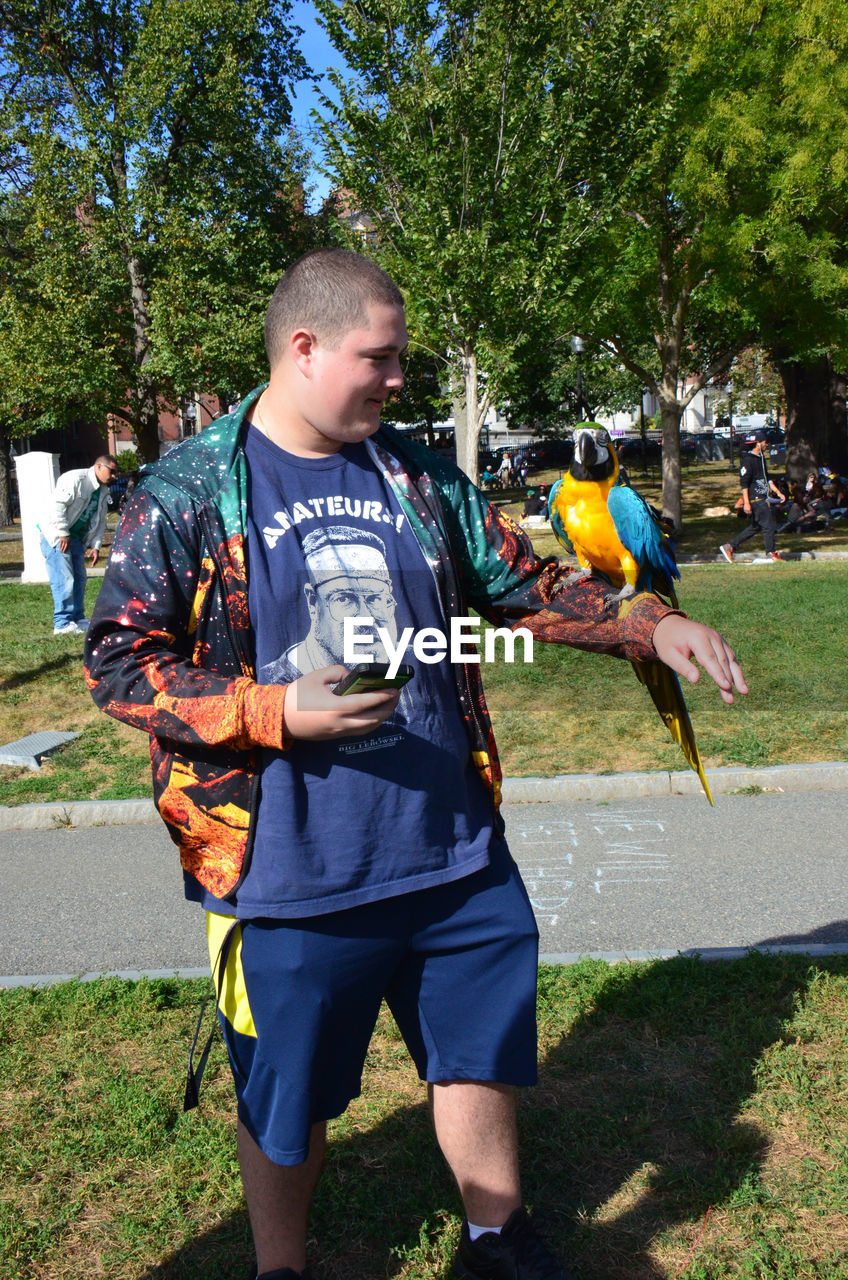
x,y
837,492
535,508
818,502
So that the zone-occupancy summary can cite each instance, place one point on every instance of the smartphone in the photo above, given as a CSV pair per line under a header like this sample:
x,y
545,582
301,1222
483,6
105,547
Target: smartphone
x,y
366,677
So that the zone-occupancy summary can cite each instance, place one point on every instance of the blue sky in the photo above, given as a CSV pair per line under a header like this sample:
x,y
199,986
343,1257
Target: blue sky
x,y
319,54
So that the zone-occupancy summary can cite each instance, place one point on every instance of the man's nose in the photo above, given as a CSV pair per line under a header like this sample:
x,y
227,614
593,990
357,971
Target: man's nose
x,y
394,375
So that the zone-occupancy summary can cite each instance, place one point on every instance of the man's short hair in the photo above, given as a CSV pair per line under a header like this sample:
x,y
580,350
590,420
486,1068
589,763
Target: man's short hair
x,y
328,291
106,460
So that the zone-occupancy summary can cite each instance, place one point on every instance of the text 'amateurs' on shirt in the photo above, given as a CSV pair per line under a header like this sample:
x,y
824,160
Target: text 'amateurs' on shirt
x,y
355,820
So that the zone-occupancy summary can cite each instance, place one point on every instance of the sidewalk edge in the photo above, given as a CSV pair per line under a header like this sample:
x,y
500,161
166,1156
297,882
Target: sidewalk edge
x,y
564,789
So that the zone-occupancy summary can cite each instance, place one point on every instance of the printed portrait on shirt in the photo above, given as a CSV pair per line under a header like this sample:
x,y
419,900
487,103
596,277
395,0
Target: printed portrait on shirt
x,y
347,577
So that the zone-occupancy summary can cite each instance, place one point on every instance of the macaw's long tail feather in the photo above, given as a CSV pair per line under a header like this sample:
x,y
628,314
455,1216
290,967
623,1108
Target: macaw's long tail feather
x,y
663,686
667,591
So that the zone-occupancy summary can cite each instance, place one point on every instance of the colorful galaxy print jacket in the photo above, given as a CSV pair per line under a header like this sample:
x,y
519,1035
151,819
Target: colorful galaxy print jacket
x,y
170,648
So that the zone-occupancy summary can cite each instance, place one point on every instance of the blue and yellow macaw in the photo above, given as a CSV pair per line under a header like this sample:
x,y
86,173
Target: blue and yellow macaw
x,y
614,532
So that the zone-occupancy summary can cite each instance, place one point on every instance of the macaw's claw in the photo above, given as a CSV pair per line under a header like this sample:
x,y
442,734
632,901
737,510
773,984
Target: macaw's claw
x,y
624,594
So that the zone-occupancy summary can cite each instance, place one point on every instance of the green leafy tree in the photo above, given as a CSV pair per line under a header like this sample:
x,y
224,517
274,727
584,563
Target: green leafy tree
x,y
423,400
730,226
544,393
794,101
162,197
753,385
472,134
661,290
12,257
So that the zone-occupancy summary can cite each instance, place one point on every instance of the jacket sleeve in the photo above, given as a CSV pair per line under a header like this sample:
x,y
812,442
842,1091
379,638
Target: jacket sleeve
x,y
60,501
507,583
95,536
147,660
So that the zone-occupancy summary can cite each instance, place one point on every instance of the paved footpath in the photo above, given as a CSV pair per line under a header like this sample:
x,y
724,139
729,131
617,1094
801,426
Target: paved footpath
x,y
612,875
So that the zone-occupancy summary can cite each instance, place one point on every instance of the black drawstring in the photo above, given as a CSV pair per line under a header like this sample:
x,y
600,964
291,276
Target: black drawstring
x,y
195,1076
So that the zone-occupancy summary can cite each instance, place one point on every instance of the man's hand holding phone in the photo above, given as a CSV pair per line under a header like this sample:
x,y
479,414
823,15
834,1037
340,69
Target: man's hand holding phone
x,y
314,709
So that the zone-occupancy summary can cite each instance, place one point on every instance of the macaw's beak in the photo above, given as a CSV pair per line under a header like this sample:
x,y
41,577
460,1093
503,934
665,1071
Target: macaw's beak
x,y
586,450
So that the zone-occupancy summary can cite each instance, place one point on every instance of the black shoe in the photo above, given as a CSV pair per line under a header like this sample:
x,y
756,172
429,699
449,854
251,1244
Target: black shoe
x,y
282,1273
518,1253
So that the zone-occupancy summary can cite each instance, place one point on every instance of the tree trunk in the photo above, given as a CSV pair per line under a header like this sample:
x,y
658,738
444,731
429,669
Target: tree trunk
x,y
5,476
672,507
467,419
145,394
815,416
146,419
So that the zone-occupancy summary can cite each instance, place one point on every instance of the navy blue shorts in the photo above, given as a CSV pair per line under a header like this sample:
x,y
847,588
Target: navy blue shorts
x,y
456,964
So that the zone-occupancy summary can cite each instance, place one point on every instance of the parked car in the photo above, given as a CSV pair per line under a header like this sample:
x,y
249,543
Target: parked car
x,y
776,441
488,460
549,453
119,487
634,451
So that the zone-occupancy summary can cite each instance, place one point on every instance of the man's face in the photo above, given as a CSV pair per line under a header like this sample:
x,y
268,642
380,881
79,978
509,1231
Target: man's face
x,y
105,471
350,596
346,387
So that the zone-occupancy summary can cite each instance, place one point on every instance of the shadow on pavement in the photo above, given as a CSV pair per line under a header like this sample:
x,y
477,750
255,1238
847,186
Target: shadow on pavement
x,y
835,931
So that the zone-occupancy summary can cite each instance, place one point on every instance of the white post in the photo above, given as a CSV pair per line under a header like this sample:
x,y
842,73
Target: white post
x,y
37,476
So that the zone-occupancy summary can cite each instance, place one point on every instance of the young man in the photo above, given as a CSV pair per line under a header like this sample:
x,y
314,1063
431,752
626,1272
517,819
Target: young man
x,y
343,855
756,487
71,533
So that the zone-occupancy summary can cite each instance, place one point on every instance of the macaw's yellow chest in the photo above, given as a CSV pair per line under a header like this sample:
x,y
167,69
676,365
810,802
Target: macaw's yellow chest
x,y
589,525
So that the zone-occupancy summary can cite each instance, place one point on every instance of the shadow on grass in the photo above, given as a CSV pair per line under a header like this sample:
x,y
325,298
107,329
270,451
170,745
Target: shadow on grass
x,y
71,658
377,1188
633,1131
636,1116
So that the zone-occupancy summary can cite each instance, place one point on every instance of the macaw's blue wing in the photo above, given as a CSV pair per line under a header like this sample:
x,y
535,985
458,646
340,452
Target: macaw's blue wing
x,y
556,520
638,526
664,687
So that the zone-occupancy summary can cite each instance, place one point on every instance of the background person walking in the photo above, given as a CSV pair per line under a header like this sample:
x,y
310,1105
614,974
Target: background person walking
x,y
71,534
756,487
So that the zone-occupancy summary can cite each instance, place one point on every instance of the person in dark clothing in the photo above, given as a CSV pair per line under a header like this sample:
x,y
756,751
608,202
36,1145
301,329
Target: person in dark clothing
x,y
756,488
535,504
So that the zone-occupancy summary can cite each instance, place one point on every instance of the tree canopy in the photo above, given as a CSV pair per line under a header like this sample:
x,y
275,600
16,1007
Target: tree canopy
x,y
157,194
470,133
728,228
666,179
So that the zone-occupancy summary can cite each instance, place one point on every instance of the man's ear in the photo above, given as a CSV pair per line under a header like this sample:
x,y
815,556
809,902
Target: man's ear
x,y
302,346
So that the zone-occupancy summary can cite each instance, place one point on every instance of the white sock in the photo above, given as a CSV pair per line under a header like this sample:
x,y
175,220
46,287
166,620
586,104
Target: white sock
x,y
474,1232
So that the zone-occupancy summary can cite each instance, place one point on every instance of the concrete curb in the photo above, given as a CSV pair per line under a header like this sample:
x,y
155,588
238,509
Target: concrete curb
x,y
624,786
754,557
561,790
815,950
76,813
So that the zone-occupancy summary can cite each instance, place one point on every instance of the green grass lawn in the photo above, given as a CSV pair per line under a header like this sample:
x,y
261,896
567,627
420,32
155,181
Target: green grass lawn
x,y
690,1120
567,712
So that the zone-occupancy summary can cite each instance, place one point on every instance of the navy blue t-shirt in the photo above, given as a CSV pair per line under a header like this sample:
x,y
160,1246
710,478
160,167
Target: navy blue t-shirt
x,y
362,818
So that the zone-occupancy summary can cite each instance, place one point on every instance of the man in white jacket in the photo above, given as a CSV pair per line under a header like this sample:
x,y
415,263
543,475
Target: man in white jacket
x,y
71,533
